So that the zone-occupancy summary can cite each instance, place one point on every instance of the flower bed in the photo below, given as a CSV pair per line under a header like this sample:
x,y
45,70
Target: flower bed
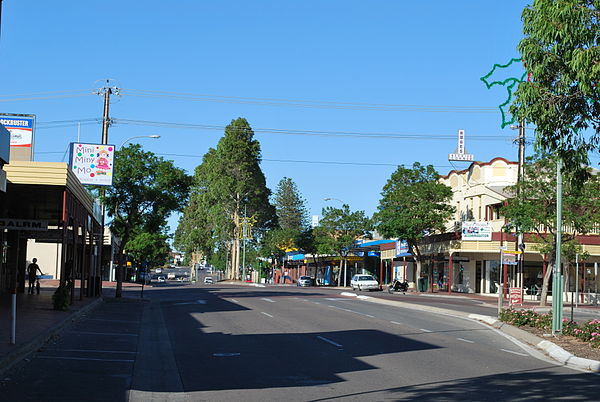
x,y
585,332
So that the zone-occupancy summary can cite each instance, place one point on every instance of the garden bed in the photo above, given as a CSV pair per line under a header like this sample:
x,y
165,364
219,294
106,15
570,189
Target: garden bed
x,y
581,340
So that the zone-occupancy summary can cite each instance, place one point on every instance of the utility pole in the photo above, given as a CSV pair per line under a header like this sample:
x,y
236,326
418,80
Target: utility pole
x,y
106,91
557,295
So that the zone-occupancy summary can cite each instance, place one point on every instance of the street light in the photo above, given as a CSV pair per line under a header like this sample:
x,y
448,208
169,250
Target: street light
x,y
138,136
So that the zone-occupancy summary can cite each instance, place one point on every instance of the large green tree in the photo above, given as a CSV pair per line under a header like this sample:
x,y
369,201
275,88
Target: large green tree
x,y
561,52
227,185
533,209
146,190
292,221
414,204
290,206
337,232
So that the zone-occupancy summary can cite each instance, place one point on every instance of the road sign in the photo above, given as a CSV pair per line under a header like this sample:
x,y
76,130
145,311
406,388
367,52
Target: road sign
x,y
516,296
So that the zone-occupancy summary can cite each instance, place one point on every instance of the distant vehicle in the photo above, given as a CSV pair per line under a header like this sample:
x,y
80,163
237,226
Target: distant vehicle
x,y
304,281
171,275
364,282
158,270
208,280
161,279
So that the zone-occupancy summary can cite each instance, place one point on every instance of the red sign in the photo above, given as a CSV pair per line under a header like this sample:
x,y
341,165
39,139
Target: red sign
x,y
516,296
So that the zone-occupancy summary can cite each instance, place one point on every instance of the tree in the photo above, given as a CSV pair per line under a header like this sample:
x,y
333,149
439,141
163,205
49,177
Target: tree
x,y
228,184
533,209
413,204
290,206
146,190
292,221
149,248
338,230
561,51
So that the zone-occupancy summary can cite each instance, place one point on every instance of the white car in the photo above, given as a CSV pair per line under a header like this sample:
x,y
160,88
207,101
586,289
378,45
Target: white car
x,y
208,280
304,281
364,282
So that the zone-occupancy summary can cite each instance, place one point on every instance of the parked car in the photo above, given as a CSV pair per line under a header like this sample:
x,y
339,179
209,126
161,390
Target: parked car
x,y
208,280
304,281
364,282
160,279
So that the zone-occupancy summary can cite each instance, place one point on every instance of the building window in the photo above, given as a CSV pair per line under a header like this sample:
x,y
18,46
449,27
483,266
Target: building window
x,y
492,212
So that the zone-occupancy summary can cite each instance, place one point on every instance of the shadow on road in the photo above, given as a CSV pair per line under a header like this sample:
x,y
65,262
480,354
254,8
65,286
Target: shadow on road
x,y
520,385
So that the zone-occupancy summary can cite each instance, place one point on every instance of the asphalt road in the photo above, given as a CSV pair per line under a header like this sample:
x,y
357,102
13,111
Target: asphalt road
x,y
239,343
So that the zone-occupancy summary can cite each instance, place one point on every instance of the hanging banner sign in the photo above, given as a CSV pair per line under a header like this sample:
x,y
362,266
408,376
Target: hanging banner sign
x,y
401,247
92,163
477,231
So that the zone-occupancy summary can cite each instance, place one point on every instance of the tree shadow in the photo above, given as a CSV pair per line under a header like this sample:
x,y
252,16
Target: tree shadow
x,y
531,385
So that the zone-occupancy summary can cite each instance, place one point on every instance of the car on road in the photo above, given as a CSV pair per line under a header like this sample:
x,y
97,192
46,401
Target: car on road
x,y
304,281
364,282
160,279
208,280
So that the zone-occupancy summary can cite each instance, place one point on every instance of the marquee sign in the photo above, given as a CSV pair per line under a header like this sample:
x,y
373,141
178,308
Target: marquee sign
x,y
460,154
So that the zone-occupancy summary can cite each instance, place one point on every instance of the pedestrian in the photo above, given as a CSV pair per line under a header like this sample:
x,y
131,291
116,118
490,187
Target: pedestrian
x,y
32,271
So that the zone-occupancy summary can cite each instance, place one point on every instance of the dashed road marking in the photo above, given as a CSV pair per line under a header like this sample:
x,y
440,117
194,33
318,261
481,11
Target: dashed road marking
x,y
514,353
233,300
394,322
424,330
329,341
465,340
90,351
267,314
268,300
102,333
86,359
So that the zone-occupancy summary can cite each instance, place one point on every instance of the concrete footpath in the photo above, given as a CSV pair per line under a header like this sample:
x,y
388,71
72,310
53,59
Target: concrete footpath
x,y
37,322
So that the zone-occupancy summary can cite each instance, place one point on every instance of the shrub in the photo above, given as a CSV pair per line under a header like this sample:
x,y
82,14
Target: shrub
x,y
61,298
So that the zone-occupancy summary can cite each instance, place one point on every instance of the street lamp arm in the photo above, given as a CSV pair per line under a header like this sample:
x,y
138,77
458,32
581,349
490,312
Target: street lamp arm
x,y
138,136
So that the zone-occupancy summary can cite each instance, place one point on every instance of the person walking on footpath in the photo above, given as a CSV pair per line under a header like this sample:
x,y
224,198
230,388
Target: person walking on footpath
x,y
32,271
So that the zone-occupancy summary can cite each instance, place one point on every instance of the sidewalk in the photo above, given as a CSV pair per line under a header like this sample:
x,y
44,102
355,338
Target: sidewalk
x,y
37,321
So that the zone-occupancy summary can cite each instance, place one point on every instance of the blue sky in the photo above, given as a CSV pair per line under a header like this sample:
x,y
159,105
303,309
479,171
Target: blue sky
x,y
312,58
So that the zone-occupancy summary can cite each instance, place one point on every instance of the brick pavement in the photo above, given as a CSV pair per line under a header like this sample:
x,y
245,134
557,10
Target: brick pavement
x,y
37,321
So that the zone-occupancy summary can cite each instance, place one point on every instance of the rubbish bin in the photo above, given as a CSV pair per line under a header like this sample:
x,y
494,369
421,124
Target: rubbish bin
x,y
422,284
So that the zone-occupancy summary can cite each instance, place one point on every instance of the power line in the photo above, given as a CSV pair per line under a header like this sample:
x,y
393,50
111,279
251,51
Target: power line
x,y
281,160
319,104
373,135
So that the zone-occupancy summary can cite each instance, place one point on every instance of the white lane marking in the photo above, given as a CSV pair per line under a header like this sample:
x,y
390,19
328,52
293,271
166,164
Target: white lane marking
x,y
118,321
316,302
424,330
362,297
233,300
226,354
90,351
348,294
465,340
85,359
267,314
102,333
258,285
329,341
515,353
334,298
394,322
352,311
268,300
193,302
